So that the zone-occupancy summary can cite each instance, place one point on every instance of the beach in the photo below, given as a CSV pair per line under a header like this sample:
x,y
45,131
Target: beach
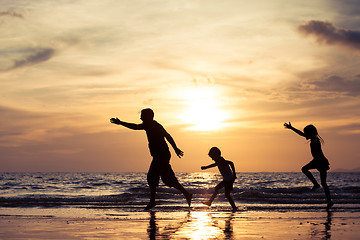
x,y
192,224
111,206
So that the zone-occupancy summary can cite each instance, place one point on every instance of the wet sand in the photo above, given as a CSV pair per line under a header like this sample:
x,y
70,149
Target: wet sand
x,y
186,225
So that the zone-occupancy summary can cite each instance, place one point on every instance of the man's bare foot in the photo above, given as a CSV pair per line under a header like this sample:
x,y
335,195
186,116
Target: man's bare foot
x,y
188,198
314,187
207,203
150,205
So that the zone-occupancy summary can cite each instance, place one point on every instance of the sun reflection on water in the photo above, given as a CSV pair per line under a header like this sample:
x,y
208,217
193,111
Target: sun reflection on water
x,y
201,226
199,177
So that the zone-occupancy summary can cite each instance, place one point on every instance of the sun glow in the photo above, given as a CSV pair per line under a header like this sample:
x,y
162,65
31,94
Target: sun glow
x,y
203,112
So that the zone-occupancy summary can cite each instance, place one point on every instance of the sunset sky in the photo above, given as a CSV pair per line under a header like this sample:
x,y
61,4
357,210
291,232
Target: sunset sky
x,y
216,73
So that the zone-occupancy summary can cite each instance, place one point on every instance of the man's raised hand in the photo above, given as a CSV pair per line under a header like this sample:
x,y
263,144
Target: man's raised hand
x,y
115,120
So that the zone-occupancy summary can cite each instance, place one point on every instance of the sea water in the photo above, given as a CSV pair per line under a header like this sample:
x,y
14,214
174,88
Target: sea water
x,y
128,192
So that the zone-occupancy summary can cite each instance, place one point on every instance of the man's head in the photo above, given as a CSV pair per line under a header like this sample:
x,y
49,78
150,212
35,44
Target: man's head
x,y
147,115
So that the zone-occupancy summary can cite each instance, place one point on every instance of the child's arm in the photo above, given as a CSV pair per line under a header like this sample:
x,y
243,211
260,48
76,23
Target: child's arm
x,y
208,166
288,125
232,168
178,152
132,126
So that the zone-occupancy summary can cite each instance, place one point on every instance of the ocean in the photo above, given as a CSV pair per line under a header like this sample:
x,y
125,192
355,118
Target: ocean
x,y
110,194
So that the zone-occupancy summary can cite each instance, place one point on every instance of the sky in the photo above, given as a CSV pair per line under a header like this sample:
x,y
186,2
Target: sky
x,y
216,73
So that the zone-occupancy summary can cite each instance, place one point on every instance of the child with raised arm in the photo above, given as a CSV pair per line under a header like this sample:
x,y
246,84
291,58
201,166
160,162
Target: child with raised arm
x,y
227,170
319,162
159,150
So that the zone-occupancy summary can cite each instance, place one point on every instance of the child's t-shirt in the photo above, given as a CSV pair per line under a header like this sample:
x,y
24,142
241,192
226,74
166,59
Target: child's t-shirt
x,y
225,171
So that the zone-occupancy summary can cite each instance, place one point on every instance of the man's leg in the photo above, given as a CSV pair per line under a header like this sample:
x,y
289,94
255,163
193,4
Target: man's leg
x,y
187,195
169,178
152,202
153,181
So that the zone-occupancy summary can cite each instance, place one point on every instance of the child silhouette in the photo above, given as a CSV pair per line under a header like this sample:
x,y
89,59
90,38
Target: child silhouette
x,y
229,175
319,162
160,165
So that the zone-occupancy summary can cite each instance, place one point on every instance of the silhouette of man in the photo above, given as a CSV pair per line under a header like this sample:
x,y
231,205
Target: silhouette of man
x,y
159,150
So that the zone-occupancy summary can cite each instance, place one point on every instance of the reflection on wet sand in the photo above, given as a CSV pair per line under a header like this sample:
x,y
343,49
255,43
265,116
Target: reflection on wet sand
x,y
156,232
325,233
195,225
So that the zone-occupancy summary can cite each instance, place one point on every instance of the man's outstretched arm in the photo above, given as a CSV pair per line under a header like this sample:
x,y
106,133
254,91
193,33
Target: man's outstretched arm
x,y
132,126
178,152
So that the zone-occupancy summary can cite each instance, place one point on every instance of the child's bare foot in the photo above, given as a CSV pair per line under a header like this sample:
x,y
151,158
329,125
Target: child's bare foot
x,y
188,198
150,205
315,187
208,203
329,205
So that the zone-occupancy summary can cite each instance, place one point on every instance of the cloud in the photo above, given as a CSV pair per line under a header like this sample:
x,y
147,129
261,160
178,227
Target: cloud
x,y
13,131
348,128
22,127
310,89
11,14
37,56
337,84
348,8
326,32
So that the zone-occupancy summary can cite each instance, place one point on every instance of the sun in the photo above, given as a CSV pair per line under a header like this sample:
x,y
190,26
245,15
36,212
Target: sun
x,y
203,111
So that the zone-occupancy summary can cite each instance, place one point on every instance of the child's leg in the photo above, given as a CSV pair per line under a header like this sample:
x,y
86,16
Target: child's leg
x,y
323,175
305,170
229,198
216,191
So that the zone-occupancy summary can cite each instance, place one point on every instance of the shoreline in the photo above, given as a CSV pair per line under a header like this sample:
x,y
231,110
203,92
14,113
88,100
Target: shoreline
x,y
205,224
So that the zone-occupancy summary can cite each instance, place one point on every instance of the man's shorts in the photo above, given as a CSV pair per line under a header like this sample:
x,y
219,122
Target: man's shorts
x,y
160,167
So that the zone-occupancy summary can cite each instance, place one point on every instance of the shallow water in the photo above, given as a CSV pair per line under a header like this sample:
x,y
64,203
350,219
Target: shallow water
x,y
111,193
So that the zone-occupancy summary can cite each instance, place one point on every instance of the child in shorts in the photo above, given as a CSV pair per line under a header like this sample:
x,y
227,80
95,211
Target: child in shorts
x,y
227,170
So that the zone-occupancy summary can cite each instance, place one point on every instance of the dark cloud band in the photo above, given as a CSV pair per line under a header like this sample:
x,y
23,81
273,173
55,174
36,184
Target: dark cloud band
x,y
11,14
326,32
38,56
339,85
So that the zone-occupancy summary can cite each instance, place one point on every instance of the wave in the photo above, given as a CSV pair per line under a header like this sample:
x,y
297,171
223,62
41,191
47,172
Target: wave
x,y
130,190
140,195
